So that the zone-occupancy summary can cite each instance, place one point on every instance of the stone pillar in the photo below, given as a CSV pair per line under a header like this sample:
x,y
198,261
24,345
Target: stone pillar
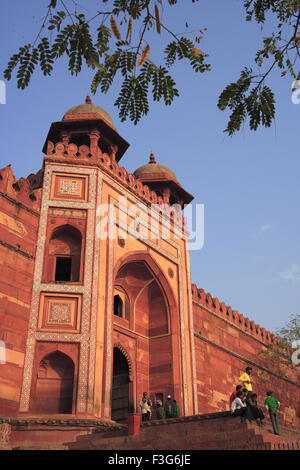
x,y
94,139
113,150
133,423
65,138
166,195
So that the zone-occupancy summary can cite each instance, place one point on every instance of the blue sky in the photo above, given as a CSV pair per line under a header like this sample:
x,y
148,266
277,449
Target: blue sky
x,y
249,184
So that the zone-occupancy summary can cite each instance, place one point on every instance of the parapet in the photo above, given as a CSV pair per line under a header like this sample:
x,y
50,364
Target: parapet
x,y
24,191
84,155
233,316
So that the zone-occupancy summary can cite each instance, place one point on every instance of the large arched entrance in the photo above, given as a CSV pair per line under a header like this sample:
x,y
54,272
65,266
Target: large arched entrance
x,y
149,318
54,384
120,387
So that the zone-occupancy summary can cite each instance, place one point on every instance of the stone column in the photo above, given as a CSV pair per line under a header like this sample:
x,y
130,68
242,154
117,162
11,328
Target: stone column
x,y
113,151
166,195
65,138
94,139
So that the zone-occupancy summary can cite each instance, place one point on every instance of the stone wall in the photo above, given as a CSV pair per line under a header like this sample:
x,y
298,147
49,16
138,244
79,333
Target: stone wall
x,y
226,343
19,216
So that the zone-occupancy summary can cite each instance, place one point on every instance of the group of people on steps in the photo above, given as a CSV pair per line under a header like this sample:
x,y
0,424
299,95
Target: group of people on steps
x,y
243,403
169,410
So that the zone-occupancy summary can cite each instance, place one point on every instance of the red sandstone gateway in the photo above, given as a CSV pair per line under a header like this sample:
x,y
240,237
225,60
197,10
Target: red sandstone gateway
x,y
87,322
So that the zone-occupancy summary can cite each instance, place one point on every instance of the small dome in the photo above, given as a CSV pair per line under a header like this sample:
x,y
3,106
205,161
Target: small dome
x,y
89,108
153,168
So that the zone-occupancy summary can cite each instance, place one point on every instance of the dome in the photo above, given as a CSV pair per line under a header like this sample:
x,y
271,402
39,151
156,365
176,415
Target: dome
x,y
153,168
88,108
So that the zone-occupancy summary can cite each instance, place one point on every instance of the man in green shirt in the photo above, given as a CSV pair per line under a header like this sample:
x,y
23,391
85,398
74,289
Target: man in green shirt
x,y
272,404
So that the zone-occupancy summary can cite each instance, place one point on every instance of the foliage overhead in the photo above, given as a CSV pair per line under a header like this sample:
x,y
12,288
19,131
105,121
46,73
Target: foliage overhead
x,y
283,353
116,44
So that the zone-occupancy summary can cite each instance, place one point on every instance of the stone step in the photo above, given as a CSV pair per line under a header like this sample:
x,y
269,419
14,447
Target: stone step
x,y
182,431
176,441
287,435
41,446
187,433
192,433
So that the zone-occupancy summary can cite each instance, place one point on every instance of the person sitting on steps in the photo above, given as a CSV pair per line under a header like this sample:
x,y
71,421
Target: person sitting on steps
x,y
239,408
238,388
255,411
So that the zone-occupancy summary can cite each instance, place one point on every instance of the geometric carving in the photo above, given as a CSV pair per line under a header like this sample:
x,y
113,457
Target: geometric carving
x,y
59,312
39,329
69,187
63,212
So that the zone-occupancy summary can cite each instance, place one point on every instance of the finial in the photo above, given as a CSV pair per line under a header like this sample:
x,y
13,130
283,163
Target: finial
x,y
88,99
152,158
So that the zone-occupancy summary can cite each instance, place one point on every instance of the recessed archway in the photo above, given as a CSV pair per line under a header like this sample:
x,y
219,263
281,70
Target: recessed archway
x,y
54,384
120,397
154,317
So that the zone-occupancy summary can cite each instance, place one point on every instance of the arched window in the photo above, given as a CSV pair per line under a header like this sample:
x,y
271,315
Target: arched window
x,y
121,307
118,306
65,254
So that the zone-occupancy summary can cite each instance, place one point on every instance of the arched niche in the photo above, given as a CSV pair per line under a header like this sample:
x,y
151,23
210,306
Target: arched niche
x,y
150,309
54,385
152,300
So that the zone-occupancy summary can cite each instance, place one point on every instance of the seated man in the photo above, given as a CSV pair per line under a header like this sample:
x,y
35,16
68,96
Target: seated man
x,y
239,408
238,388
255,411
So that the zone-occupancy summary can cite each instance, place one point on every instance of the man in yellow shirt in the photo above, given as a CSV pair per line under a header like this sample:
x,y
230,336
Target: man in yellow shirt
x,y
246,381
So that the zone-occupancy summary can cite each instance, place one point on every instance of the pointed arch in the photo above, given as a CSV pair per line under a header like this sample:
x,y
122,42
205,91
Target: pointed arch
x,y
156,318
127,357
121,391
63,254
157,273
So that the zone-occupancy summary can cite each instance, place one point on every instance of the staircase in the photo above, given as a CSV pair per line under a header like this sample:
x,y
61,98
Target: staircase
x,y
36,433
217,431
